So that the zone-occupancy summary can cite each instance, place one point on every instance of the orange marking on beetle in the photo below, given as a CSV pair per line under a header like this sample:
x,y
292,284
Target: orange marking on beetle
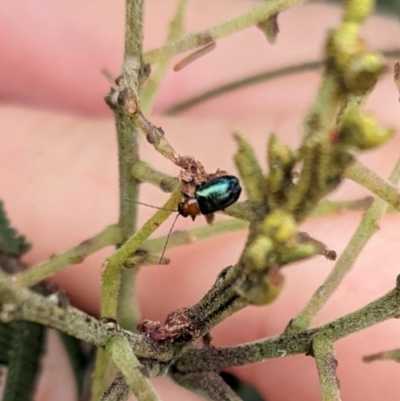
x,y
189,207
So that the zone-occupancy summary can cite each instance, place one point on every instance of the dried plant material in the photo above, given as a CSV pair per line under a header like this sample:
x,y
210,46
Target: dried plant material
x,y
194,56
270,28
397,75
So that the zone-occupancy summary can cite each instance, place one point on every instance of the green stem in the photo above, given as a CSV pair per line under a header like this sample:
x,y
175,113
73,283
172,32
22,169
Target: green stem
x,y
142,172
132,64
362,175
329,208
392,355
368,226
102,372
111,235
123,356
153,83
128,154
326,366
194,235
24,304
253,80
111,274
242,83
199,39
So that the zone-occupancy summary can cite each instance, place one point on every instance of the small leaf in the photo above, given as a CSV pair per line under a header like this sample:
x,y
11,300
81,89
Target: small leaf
x,y
10,241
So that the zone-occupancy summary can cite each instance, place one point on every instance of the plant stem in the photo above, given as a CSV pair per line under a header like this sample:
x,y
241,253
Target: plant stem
x,y
142,172
362,175
215,359
326,365
199,39
19,303
111,235
194,235
253,80
132,64
208,385
111,273
128,154
101,375
329,208
368,226
118,390
392,355
123,356
242,83
152,85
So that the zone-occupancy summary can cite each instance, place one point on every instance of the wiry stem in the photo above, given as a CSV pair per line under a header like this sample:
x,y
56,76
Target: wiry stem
x,y
125,359
198,39
214,359
128,154
368,226
194,235
209,385
114,265
153,83
326,365
362,175
118,390
254,80
111,235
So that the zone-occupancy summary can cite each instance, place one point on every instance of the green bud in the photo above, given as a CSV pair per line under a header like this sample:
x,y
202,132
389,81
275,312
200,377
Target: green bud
x,y
266,289
279,226
344,44
358,10
361,131
258,251
363,72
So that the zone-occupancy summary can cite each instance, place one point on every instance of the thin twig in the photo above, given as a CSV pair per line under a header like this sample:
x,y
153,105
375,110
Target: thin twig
x,y
368,226
208,385
118,390
254,80
111,235
19,303
123,356
329,208
242,83
199,39
114,265
326,365
145,173
392,355
175,31
215,359
362,175
193,235
128,154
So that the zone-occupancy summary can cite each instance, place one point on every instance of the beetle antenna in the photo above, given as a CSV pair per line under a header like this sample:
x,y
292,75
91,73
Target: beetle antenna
x,y
155,207
168,236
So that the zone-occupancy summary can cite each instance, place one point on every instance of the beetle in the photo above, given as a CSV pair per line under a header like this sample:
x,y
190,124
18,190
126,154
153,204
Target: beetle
x,y
211,196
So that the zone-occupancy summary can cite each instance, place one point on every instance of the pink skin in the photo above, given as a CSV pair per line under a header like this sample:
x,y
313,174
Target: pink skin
x,y
59,175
